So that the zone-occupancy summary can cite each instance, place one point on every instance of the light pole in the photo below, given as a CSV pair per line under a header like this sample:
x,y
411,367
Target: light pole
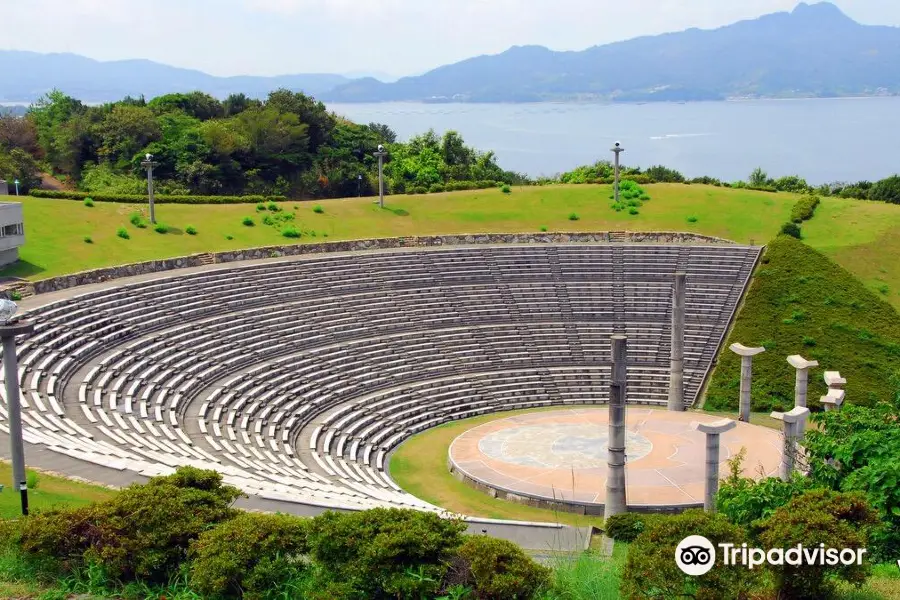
x,y
16,182
8,333
359,186
380,155
149,164
617,150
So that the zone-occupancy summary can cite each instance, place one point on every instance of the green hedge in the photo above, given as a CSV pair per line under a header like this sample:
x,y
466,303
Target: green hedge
x,y
804,209
141,198
800,302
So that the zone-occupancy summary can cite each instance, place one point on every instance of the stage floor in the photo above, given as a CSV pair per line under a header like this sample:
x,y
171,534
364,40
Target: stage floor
x,y
561,455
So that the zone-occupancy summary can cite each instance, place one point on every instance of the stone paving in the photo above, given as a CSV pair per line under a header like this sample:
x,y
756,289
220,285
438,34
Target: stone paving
x,y
561,455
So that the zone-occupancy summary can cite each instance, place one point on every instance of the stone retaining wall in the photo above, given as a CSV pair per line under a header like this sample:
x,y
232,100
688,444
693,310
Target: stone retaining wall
x,y
195,260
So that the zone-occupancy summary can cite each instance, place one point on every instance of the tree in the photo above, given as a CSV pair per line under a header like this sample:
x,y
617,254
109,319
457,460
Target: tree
x,y
235,104
385,134
310,112
886,190
18,164
19,132
125,131
758,178
195,104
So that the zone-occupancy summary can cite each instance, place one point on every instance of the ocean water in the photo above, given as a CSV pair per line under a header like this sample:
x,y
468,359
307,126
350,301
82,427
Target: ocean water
x,y
823,140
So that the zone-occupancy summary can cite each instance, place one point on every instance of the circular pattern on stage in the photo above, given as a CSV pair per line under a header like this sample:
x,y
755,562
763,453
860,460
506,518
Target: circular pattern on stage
x,y
561,455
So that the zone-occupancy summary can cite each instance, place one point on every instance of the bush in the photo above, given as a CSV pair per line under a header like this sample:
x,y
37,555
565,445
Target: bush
x,y
420,189
137,220
633,211
248,222
88,239
886,190
813,518
651,572
505,189
692,219
273,207
396,543
143,532
260,207
89,202
497,569
791,229
123,233
661,174
229,237
190,230
318,209
251,556
267,220
574,217
804,209
745,500
290,232
625,527
160,228
436,188
543,229
141,198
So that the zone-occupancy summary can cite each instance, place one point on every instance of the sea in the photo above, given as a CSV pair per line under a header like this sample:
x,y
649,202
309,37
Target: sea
x,y
822,140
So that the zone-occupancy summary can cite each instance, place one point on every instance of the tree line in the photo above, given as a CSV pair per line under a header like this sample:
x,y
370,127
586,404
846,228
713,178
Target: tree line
x,y
286,145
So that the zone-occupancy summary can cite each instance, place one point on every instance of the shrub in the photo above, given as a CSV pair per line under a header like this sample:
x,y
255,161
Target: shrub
x,y
745,500
886,190
543,229
884,289
420,189
505,189
260,207
190,230
436,188
251,556
123,233
791,229
267,220
633,211
229,237
160,228
88,239
692,219
804,209
651,572
497,569
248,222
89,202
625,527
574,217
395,542
661,174
143,532
137,220
318,209
813,518
15,296
273,207
290,232
140,198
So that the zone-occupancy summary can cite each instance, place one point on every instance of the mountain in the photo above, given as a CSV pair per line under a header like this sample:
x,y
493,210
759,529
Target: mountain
x,y
815,50
96,81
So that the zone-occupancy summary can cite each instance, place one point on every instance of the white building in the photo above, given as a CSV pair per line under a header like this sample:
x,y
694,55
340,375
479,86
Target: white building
x,y
12,232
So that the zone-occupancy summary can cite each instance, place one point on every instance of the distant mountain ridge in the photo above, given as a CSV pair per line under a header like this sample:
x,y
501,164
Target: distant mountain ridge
x,y
91,80
815,50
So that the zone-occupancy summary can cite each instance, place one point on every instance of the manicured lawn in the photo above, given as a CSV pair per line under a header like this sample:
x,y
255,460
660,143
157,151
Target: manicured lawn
x,y
419,466
864,238
56,229
50,492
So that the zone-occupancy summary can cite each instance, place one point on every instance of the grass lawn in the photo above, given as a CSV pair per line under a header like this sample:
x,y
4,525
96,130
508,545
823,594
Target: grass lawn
x,y
55,230
50,491
419,466
864,238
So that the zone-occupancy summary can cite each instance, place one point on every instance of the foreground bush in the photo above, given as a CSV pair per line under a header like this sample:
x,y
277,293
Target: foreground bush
x,y
813,518
497,570
251,556
382,553
141,533
804,209
625,527
651,571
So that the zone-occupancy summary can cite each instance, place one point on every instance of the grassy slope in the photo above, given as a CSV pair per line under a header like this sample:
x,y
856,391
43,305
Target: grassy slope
x,y
800,302
55,229
50,491
864,238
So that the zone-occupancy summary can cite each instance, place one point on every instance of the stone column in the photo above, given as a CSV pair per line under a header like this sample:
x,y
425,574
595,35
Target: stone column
x,y
676,368
713,431
833,399
802,382
793,427
746,355
615,474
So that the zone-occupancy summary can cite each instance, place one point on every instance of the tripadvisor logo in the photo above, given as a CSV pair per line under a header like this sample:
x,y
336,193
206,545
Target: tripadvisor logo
x,y
696,555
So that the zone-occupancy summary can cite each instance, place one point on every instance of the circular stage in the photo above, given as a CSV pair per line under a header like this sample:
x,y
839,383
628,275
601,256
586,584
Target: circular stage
x,y
558,458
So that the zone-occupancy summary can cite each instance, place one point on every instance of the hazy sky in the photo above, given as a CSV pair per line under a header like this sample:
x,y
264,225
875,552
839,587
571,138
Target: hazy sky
x,y
400,37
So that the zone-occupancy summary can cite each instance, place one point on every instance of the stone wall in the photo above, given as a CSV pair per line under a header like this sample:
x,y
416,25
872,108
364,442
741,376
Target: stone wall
x,y
155,266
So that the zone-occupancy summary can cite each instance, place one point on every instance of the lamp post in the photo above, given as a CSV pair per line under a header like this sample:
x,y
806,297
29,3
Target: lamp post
x,y
380,156
148,164
8,333
617,150
16,182
359,186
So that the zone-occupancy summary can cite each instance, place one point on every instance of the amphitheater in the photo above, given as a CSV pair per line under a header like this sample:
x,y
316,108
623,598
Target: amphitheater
x,y
296,377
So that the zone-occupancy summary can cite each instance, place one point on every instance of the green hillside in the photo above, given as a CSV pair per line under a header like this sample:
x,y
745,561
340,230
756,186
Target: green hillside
x,y
800,302
56,230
